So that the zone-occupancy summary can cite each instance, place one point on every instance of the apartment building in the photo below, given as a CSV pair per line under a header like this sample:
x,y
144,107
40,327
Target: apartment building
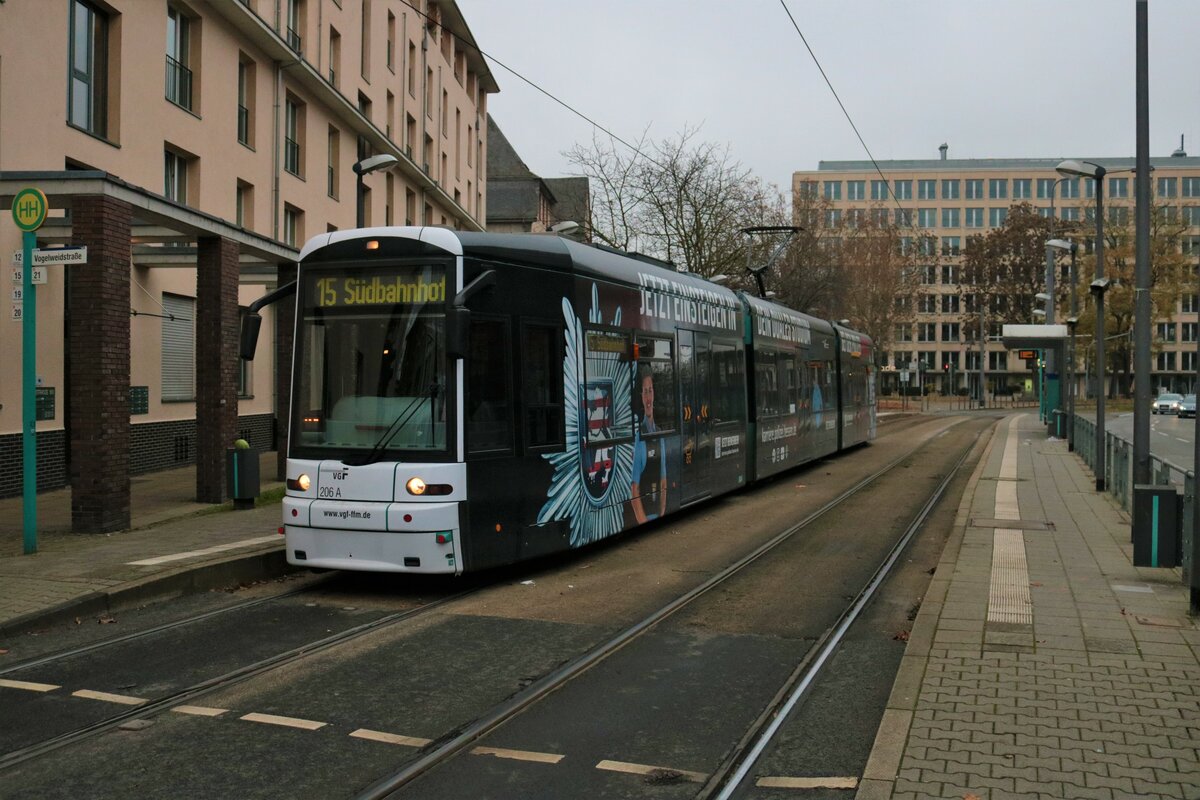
x,y
947,201
193,146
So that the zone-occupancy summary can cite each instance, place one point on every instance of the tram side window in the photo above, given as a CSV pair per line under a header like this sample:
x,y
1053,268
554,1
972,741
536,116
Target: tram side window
x,y
542,376
729,384
653,393
766,378
489,405
789,387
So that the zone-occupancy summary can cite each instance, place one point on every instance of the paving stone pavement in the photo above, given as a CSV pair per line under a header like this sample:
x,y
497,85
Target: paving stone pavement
x,y
1099,697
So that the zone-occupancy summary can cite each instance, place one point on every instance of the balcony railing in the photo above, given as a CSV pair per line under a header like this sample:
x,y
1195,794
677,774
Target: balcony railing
x,y
293,39
291,156
243,124
179,84
330,182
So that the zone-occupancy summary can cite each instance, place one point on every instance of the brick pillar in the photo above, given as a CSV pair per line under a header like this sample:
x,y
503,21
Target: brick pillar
x,y
98,338
285,323
216,363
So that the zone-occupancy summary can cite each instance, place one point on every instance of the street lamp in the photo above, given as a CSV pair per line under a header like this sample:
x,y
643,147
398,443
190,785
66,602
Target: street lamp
x,y
1096,172
372,164
1072,321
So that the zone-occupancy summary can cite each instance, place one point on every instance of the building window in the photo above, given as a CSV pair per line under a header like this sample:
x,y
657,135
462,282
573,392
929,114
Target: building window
x,y
926,190
1165,331
951,245
1045,188
996,216
1166,362
903,190
879,190
1070,189
998,362
879,217
412,69
950,304
950,218
331,177
295,24
1070,214
998,189
903,333
1189,304
1188,331
833,190
856,190
391,42
245,205
949,278
950,189
179,76
1167,187
929,276
1022,188
178,348
1191,216
927,332
335,55
1188,361
926,217
1118,187
974,217
1118,215
904,217
833,217
365,60
293,142
293,225
950,333
975,189
87,105
927,304
1191,187
806,190
245,110
175,177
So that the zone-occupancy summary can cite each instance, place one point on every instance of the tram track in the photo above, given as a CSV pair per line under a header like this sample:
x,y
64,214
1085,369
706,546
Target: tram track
x,y
462,735
726,778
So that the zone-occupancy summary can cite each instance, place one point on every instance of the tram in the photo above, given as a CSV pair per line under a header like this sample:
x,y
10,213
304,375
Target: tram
x,y
466,400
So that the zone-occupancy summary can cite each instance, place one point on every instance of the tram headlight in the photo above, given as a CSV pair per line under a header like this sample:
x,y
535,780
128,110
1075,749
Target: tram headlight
x,y
415,486
300,484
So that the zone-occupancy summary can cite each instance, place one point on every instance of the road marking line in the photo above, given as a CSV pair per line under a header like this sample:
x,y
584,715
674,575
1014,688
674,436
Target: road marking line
x,y
1181,439
807,783
221,548
1143,589
27,686
287,722
646,769
200,711
518,755
107,697
389,738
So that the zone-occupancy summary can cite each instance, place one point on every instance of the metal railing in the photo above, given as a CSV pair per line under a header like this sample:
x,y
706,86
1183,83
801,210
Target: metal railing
x,y
293,39
179,84
291,156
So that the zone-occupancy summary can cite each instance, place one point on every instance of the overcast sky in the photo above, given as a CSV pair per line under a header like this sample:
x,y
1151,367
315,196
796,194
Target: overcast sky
x,y
1007,78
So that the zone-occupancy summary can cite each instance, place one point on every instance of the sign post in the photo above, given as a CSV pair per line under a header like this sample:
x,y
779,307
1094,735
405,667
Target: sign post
x,y
29,212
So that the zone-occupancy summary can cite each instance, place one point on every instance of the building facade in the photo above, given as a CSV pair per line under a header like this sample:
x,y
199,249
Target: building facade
x,y
520,201
193,146
945,202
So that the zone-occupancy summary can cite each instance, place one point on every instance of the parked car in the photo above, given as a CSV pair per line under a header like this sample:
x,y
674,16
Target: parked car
x,y
1166,404
1187,406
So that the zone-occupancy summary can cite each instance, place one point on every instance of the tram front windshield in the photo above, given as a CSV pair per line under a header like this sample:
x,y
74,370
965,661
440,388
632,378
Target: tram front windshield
x,y
370,369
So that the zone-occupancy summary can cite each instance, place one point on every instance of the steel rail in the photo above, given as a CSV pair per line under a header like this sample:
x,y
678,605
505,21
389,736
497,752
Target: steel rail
x,y
446,748
231,678
166,626
728,778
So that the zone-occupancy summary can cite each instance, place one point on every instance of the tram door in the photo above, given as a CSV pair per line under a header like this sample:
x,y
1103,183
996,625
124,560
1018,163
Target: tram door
x,y
696,410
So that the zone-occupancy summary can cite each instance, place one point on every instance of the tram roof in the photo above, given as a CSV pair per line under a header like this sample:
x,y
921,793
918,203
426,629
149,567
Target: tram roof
x,y
770,308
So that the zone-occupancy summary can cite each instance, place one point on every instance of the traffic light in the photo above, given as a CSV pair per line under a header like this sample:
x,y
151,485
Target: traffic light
x,y
946,367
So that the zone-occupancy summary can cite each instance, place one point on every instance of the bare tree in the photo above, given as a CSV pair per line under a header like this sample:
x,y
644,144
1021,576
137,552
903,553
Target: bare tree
x,y
879,277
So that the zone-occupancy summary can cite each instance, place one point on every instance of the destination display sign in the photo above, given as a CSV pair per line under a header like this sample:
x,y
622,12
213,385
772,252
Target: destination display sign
x,y
358,290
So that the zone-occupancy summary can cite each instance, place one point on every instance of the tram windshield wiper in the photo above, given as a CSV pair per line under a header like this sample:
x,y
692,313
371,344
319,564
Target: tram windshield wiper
x,y
397,425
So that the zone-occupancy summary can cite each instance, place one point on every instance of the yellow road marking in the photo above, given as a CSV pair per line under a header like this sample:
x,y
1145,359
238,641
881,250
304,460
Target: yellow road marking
x,y
200,711
27,686
107,697
287,722
389,738
807,783
518,755
646,769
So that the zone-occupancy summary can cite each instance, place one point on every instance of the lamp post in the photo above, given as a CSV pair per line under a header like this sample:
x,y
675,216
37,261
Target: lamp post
x,y
1098,286
1072,321
361,168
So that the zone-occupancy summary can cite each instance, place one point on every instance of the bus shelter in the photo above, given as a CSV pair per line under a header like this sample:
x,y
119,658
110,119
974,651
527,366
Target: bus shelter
x,y
1051,341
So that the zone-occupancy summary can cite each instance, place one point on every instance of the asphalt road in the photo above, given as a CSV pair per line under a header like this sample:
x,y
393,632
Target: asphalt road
x,y
1171,438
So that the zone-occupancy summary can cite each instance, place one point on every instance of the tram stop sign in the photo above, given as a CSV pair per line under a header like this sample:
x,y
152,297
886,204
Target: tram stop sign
x,y
29,209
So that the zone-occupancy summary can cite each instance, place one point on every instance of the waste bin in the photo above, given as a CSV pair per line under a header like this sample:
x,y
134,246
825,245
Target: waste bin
x,y
241,476
1155,525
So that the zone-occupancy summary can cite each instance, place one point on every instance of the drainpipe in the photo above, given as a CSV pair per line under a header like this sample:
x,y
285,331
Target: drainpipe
x,y
275,201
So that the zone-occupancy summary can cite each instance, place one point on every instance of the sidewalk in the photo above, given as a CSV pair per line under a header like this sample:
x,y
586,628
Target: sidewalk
x,y
1042,663
192,546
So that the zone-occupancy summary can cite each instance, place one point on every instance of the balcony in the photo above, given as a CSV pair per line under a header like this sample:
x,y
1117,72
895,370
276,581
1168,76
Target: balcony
x,y
179,84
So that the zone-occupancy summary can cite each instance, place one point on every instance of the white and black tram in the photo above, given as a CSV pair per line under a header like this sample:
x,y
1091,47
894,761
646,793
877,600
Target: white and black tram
x,y
466,400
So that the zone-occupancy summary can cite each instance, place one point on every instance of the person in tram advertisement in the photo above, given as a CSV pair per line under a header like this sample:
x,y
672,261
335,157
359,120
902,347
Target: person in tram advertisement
x,y
649,490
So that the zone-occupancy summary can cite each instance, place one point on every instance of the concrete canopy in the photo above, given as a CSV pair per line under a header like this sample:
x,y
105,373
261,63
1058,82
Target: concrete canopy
x,y
1018,337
